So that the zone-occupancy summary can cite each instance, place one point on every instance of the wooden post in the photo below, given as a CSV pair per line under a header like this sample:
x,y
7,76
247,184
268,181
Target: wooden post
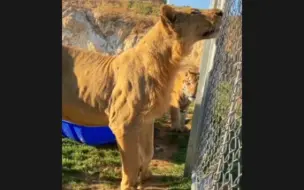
x,y
206,66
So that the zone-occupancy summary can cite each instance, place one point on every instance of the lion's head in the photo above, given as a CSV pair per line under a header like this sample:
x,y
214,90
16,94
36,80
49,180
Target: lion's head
x,y
190,25
190,84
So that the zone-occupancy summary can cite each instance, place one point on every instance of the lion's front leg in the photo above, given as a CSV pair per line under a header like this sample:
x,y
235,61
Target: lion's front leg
x,y
124,125
136,149
182,118
128,145
146,141
177,120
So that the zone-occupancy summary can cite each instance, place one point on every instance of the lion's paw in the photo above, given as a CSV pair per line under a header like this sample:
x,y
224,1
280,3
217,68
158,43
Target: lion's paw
x,y
147,175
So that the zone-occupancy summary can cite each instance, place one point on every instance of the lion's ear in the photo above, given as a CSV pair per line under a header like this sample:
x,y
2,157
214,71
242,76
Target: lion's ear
x,y
167,14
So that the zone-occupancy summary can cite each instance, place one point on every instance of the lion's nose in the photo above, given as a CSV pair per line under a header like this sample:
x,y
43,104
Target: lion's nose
x,y
191,98
219,13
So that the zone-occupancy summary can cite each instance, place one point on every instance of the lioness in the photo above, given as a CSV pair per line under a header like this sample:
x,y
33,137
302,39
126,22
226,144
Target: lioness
x,y
129,91
184,92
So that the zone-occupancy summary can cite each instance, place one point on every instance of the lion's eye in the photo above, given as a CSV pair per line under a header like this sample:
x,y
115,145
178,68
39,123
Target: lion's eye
x,y
195,11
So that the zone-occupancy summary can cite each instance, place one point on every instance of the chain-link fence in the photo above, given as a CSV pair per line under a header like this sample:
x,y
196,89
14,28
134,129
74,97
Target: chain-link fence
x,y
214,149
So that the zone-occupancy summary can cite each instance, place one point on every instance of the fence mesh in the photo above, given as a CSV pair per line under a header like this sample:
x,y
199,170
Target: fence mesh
x,y
218,156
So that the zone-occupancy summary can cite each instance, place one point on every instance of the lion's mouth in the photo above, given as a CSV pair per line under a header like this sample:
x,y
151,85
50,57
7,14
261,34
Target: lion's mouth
x,y
211,32
208,32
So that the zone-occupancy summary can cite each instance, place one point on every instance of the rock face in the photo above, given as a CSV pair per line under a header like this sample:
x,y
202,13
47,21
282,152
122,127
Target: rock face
x,y
89,30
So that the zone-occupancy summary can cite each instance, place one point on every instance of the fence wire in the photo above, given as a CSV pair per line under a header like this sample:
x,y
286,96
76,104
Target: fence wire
x,y
218,156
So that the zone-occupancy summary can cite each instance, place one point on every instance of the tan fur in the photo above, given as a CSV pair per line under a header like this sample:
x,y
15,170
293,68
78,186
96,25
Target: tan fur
x,y
129,91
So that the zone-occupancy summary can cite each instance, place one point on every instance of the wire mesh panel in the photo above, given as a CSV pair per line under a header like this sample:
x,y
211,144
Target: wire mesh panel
x,y
217,157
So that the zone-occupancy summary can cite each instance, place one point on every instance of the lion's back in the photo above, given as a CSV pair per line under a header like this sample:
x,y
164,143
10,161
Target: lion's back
x,y
87,83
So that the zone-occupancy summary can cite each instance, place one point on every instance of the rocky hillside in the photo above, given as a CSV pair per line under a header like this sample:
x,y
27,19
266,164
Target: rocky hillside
x,y
111,27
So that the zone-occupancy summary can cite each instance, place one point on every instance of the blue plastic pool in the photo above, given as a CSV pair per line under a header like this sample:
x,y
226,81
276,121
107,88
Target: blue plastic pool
x,y
88,135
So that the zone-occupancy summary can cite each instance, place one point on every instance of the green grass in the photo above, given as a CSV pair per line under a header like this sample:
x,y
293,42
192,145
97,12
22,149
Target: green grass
x,y
173,174
179,158
84,165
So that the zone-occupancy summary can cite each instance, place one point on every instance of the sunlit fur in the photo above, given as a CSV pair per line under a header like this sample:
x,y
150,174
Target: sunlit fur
x,y
128,91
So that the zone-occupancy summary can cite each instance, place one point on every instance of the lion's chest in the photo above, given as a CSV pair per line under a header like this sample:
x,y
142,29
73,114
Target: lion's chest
x,y
147,87
159,97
